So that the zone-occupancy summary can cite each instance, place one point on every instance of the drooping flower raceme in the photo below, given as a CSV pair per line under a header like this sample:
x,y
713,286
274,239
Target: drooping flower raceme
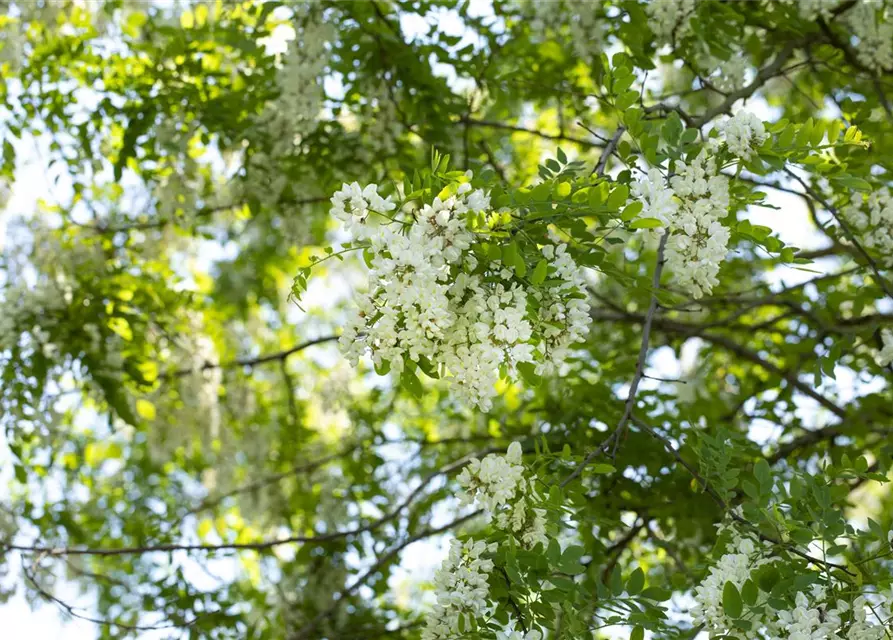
x,y
872,23
743,134
461,588
885,355
872,221
429,303
691,209
286,120
669,18
818,613
734,567
498,483
694,202
573,22
725,75
513,634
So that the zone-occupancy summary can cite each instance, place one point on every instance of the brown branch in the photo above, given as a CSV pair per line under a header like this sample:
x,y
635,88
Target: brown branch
x,y
763,75
382,561
846,230
602,164
490,124
253,362
725,507
730,345
72,611
640,366
260,545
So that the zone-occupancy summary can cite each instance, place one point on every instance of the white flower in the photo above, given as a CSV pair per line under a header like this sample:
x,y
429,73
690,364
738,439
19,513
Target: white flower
x,y
498,484
871,220
424,301
743,133
885,355
461,588
872,24
698,197
656,197
512,634
726,75
669,18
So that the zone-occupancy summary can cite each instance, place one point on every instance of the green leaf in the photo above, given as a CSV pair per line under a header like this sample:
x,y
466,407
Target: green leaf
x,y
616,581
603,467
646,223
636,582
632,210
763,474
657,594
618,197
145,409
626,99
411,382
851,182
749,593
638,633
731,601
540,272
528,373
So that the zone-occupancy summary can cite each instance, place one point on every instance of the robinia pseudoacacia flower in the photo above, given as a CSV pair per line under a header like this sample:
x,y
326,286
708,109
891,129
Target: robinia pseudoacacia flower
x,y
432,302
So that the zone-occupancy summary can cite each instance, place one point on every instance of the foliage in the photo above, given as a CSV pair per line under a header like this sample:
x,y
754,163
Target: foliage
x,y
441,319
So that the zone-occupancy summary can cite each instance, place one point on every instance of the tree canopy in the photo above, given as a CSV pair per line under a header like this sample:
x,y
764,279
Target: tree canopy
x,y
430,319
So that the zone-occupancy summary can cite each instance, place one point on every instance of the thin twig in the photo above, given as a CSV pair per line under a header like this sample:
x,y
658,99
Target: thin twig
x,y
640,368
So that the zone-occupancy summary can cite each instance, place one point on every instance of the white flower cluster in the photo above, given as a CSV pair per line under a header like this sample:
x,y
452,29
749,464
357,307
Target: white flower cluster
x,y
24,305
814,616
725,75
564,311
425,302
461,588
691,209
513,634
872,24
873,227
381,123
885,355
294,113
498,483
564,21
695,201
734,567
810,9
743,133
669,19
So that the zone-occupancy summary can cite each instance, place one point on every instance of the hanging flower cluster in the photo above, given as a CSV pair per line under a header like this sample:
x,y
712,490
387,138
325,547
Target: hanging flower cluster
x,y
872,24
815,614
743,134
695,201
691,209
564,21
461,588
286,120
670,19
431,301
725,75
734,567
498,484
872,221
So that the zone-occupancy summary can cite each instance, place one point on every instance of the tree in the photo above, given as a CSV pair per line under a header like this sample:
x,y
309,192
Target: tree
x,y
437,319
